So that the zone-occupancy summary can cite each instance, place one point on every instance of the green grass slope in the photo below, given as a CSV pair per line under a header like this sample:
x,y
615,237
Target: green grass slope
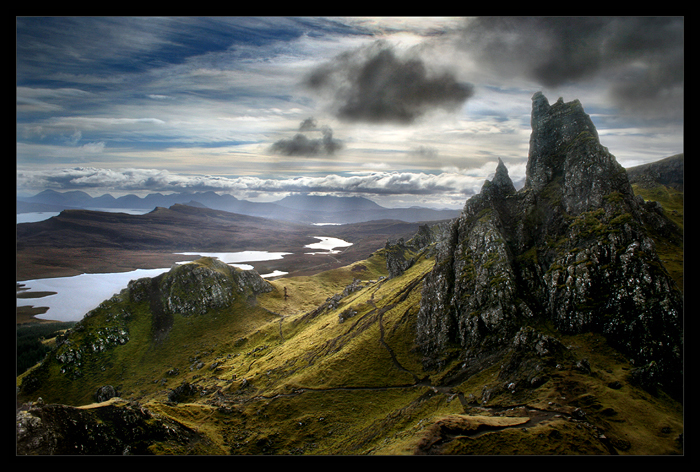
x,y
330,368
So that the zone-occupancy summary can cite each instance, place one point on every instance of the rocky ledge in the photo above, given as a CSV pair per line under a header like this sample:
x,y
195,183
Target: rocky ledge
x,y
114,427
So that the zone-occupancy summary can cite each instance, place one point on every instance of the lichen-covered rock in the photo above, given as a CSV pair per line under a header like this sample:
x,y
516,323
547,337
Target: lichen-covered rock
x,y
398,257
116,428
469,298
104,393
194,289
532,354
401,255
197,287
572,247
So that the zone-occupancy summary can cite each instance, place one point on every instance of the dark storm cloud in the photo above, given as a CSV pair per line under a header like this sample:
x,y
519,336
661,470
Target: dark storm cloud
x,y
302,146
374,84
643,57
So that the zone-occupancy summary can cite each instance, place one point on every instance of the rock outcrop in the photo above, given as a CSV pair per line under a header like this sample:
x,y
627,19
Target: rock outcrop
x,y
196,287
190,289
193,289
570,248
401,255
117,427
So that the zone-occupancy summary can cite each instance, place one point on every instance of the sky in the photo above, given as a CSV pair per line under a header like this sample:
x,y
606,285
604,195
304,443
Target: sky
x,y
401,110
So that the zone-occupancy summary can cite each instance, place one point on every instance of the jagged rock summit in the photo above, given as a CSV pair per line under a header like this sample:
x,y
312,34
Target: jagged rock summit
x,y
565,148
570,249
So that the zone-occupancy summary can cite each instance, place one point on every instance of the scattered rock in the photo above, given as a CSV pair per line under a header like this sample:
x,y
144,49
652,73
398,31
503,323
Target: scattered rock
x,y
346,314
583,365
182,392
114,428
105,393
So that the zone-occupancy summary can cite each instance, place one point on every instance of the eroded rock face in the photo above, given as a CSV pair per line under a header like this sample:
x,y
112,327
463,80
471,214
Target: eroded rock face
x,y
195,288
400,254
117,428
571,247
471,291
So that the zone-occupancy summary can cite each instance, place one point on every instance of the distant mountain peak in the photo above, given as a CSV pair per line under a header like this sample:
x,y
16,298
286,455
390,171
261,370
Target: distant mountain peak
x,y
327,203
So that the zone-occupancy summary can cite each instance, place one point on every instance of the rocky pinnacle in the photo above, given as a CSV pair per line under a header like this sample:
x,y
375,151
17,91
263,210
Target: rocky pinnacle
x,y
570,248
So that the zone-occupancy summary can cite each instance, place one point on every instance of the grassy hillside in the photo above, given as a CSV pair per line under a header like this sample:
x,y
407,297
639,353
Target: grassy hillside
x,y
326,364
669,198
331,369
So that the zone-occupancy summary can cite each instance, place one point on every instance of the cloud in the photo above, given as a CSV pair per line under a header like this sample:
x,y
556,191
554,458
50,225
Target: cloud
x,y
447,184
156,96
300,145
308,124
46,100
424,152
374,84
643,57
96,147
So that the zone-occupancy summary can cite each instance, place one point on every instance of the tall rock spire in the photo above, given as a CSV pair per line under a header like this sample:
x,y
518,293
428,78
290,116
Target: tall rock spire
x,y
565,148
569,248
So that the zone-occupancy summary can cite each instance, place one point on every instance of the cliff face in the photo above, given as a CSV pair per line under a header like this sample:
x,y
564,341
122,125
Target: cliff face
x,y
117,427
570,250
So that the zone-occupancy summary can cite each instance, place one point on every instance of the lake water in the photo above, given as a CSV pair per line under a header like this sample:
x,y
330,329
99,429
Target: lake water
x,y
79,294
34,216
327,245
235,258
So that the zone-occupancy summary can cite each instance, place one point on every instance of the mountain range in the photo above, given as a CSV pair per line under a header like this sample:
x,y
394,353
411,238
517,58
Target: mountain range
x,y
299,208
542,321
